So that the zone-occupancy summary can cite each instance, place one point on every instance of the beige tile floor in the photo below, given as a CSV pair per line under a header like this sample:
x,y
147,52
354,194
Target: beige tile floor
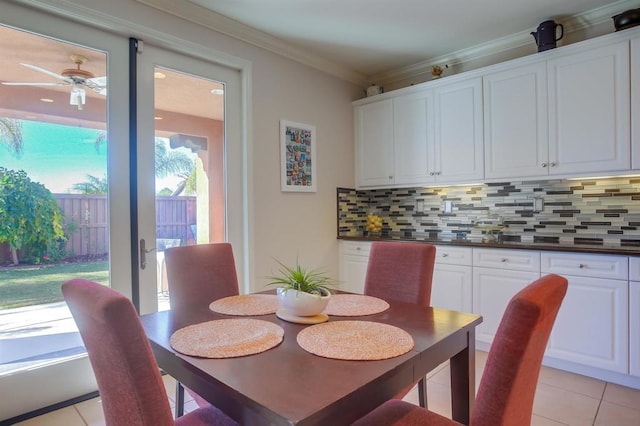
x,y
561,399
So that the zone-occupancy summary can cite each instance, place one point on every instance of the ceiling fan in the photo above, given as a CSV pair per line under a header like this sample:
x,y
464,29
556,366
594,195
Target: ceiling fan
x,y
77,78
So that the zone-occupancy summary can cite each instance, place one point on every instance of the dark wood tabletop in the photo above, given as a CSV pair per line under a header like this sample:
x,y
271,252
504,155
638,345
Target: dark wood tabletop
x,y
288,386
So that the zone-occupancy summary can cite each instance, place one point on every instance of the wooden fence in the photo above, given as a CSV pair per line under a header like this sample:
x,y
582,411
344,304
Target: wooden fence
x,y
88,228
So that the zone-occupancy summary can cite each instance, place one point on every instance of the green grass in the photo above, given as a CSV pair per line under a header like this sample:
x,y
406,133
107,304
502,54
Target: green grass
x,y
26,286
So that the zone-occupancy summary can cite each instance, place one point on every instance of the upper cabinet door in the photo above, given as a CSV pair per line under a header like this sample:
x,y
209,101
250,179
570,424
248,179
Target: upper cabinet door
x,y
413,138
374,144
635,103
589,111
515,122
459,132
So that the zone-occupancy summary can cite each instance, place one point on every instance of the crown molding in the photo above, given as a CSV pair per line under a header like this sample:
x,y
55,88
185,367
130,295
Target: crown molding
x,y
573,23
219,23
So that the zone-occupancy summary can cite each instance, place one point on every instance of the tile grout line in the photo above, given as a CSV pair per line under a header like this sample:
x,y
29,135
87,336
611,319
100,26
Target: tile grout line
x,y
595,418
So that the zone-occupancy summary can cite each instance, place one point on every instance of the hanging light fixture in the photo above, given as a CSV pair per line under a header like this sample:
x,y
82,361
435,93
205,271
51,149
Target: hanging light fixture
x,y
78,96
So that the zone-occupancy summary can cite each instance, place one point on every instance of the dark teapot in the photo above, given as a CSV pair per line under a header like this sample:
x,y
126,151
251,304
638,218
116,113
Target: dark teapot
x,y
546,36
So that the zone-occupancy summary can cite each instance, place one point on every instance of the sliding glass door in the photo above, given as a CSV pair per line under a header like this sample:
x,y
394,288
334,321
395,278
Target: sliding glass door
x,y
64,161
188,134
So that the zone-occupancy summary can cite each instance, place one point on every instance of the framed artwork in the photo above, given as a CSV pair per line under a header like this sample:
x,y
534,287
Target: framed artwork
x,y
298,157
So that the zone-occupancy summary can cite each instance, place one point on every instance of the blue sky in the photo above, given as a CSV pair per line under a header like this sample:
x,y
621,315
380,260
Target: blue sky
x,y
57,156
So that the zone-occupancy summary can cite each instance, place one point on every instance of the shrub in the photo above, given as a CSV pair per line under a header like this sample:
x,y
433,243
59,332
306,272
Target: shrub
x,y
29,215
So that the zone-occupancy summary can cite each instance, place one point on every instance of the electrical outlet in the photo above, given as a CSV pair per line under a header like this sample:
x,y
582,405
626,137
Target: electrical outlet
x,y
448,206
420,206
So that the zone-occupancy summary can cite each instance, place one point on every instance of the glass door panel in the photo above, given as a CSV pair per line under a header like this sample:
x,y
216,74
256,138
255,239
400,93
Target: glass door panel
x,y
56,157
184,189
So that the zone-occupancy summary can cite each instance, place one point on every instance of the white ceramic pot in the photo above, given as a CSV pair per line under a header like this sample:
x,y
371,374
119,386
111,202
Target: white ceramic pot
x,y
302,304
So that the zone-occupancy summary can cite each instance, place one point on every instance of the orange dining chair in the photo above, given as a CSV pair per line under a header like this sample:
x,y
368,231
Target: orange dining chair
x,y
131,389
508,384
196,276
402,271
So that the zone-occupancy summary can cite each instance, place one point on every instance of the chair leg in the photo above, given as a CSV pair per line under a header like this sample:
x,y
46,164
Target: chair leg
x,y
179,399
422,393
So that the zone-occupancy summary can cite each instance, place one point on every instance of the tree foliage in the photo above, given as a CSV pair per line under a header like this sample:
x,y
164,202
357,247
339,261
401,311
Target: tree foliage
x,y
93,185
11,135
29,213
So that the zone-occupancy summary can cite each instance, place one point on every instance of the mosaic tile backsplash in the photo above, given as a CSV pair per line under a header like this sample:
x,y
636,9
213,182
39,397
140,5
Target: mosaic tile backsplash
x,y
603,211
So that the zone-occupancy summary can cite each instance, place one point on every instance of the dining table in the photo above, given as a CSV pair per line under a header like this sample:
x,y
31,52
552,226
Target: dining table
x,y
287,385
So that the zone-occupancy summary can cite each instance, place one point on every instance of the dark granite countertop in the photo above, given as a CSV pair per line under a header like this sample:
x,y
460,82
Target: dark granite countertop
x,y
577,248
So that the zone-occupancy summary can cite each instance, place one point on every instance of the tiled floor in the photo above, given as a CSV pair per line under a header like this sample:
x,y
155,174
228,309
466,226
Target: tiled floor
x,y
561,399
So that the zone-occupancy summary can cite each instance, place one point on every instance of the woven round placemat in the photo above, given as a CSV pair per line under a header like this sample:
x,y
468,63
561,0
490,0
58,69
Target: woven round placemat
x,y
246,305
355,305
227,338
355,340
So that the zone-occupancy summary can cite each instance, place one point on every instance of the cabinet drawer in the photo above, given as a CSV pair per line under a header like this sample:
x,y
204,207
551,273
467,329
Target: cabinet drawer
x,y
634,268
356,248
586,265
516,260
453,255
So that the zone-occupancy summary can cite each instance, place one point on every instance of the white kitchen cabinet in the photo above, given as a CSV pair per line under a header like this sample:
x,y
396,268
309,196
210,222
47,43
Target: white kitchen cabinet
x,y
413,138
374,143
422,137
497,276
634,316
592,325
492,291
452,285
459,147
635,103
589,115
515,122
354,258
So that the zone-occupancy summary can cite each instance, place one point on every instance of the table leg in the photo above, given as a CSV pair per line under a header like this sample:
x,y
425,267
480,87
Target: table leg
x,y
179,399
463,380
422,393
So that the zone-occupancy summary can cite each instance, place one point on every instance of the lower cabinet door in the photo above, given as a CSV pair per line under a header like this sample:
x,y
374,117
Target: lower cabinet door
x,y
592,327
492,291
634,328
451,287
353,271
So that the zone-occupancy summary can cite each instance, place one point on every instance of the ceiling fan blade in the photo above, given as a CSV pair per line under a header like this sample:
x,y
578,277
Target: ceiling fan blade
x,y
10,83
40,69
97,84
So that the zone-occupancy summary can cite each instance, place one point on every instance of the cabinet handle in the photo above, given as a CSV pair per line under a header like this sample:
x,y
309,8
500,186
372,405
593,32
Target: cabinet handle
x,y
544,165
504,259
582,266
445,254
552,164
390,177
357,248
431,173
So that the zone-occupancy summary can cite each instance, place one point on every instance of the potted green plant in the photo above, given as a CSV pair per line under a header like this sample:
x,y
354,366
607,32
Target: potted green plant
x,y
302,292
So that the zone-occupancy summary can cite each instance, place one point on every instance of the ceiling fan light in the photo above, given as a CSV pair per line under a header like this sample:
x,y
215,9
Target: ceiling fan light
x,y
78,96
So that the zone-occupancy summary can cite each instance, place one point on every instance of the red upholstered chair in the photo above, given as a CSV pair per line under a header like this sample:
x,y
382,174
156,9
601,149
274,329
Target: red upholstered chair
x,y
508,384
199,274
196,276
128,377
402,271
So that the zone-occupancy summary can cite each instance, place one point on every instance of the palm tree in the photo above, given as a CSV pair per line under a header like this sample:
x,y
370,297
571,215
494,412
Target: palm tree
x,y
173,163
11,135
93,185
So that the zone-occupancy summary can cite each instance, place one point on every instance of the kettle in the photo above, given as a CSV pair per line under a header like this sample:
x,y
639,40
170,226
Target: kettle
x,y
546,36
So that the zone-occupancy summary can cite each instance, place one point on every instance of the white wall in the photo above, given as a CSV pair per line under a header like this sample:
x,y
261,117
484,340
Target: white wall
x,y
282,225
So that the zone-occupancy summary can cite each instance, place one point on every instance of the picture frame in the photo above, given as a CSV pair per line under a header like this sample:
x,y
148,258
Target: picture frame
x,y
298,161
